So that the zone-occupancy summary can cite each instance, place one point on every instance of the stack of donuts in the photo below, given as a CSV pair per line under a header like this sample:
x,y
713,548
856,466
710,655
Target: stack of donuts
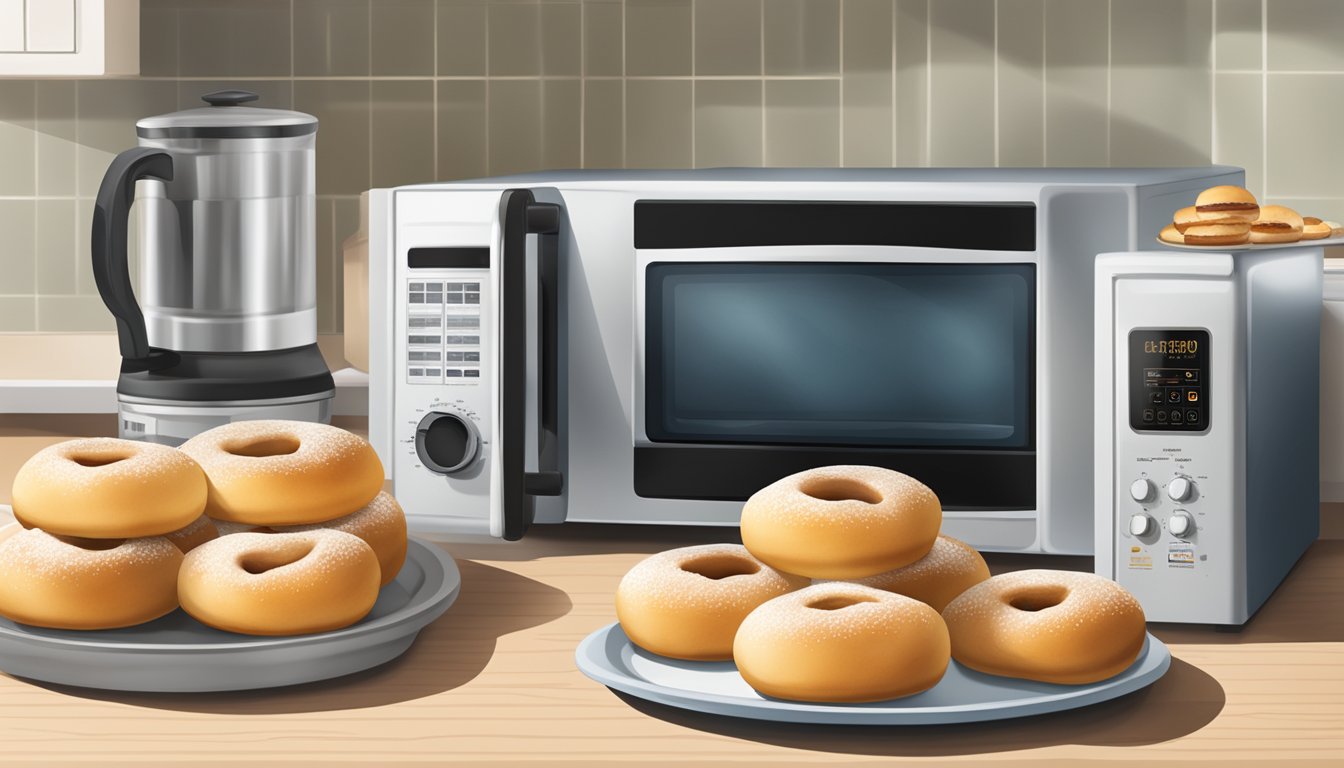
x,y
844,591
258,527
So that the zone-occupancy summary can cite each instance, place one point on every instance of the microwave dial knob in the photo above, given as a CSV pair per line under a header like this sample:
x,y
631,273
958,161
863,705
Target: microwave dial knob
x,y
1180,523
1140,524
1141,490
446,442
1180,488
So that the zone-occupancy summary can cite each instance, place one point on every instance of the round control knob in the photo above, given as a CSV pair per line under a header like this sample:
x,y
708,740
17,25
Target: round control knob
x,y
1180,488
446,442
1180,523
1140,524
1141,490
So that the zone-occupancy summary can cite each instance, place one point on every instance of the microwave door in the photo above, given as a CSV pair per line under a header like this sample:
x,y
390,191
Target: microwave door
x,y
526,452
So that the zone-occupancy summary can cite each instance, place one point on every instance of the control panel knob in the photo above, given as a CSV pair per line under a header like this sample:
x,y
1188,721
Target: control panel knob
x,y
1180,488
1140,524
1141,490
446,442
1180,523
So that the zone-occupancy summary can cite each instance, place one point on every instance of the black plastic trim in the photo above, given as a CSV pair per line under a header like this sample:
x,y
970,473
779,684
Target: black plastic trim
x,y
229,132
739,223
226,376
449,257
520,216
111,271
1001,479
229,97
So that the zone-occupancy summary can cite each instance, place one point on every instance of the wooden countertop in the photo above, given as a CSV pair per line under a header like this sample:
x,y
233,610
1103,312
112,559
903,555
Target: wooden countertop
x,y
493,681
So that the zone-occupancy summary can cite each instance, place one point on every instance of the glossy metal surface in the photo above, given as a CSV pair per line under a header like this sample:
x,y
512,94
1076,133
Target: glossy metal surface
x,y
227,249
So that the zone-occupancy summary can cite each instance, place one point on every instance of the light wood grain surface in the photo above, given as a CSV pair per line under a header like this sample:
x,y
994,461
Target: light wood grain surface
x,y
494,682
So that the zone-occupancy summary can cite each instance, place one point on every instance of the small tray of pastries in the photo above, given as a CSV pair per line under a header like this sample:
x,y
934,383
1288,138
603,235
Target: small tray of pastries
x,y
258,554
1229,218
845,604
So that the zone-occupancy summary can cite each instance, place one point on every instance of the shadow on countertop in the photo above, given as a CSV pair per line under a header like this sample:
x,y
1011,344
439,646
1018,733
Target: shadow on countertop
x,y
447,654
1184,700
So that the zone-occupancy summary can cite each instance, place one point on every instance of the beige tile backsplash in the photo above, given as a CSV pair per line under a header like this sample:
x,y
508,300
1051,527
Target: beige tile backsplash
x,y
415,90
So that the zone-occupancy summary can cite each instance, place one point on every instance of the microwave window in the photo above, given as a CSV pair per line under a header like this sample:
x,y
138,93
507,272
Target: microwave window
x,y
875,354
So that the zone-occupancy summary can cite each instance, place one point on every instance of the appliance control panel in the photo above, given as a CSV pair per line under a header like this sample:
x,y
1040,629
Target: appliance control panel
x,y
1174,498
444,361
1169,380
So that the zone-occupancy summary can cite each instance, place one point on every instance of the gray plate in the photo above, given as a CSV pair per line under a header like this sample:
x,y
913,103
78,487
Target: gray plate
x,y
962,696
176,653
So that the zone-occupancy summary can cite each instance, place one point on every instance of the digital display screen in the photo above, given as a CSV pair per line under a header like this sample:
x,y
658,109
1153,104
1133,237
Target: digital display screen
x,y
1169,380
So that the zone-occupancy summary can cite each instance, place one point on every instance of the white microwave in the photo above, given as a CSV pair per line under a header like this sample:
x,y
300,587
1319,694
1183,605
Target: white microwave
x,y
655,346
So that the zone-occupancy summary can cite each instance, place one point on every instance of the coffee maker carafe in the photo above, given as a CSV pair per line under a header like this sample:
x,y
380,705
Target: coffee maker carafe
x,y
225,325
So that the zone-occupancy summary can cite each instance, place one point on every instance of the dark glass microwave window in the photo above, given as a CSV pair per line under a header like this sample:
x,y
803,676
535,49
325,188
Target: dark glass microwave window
x,y
884,354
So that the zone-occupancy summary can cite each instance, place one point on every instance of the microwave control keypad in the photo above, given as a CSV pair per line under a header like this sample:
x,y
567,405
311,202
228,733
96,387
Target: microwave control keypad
x,y
443,331
1169,380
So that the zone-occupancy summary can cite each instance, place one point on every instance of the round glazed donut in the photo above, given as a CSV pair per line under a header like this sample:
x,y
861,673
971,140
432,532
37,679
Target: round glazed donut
x,y
99,487
285,472
279,583
687,603
194,535
381,524
1052,626
841,522
72,583
950,568
842,643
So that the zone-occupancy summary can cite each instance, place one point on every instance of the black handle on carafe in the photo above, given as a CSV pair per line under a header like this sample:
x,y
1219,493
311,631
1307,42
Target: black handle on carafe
x,y
521,215
111,272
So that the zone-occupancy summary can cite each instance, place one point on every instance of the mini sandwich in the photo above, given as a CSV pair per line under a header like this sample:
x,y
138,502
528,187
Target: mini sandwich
x,y
1171,234
1225,202
1315,229
1277,224
1224,230
1184,218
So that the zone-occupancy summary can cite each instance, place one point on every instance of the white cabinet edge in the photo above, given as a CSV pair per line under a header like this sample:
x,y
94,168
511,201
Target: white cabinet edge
x,y
107,43
100,396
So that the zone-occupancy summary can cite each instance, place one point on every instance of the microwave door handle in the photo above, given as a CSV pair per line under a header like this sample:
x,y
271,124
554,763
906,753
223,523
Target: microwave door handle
x,y
522,216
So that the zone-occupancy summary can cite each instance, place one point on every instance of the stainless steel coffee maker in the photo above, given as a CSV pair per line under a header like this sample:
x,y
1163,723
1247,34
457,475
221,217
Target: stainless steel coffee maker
x,y
225,326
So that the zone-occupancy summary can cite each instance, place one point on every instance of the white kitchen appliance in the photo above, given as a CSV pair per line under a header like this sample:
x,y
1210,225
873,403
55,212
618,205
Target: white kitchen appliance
x,y
1207,374
655,346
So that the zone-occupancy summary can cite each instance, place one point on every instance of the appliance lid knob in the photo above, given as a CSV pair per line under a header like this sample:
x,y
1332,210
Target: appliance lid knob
x,y
1180,523
229,98
1180,488
446,442
1139,524
1141,490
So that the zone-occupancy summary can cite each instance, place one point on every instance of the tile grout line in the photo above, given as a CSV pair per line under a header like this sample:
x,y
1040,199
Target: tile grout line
x,y
996,84
625,94
693,5
1045,87
487,90
841,107
1213,81
434,100
369,85
1264,98
763,155
928,83
583,84
895,111
1110,34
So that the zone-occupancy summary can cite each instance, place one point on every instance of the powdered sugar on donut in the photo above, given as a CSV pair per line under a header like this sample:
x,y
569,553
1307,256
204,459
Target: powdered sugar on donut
x,y
873,611
45,556
661,579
